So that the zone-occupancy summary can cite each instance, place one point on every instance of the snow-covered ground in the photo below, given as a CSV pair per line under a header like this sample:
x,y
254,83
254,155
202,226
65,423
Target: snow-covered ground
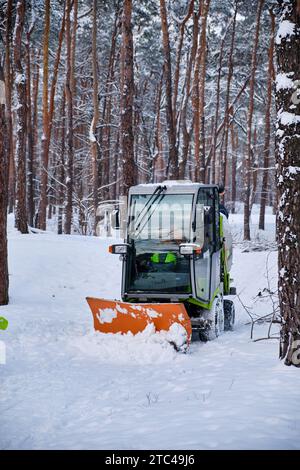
x,y
65,386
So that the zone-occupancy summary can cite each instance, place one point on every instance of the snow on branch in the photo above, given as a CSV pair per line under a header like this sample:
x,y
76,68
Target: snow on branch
x,y
286,29
288,119
91,133
284,82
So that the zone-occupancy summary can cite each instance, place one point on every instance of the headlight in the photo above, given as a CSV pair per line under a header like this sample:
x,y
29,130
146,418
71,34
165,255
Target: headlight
x,y
121,249
189,249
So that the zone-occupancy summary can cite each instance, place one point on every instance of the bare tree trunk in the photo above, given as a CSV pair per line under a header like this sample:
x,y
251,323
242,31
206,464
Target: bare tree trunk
x,y
254,166
195,105
127,96
73,82
48,115
108,135
199,96
227,111
178,57
173,152
247,174
108,166
234,148
8,94
4,168
115,162
69,102
187,133
30,136
73,46
158,161
93,140
216,119
61,191
20,81
45,136
266,153
288,178
201,167
35,93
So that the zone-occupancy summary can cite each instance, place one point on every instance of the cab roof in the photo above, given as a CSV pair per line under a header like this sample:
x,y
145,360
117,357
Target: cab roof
x,y
172,187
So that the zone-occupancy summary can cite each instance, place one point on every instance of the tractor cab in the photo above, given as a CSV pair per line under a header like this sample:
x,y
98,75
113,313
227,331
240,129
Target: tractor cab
x,y
173,239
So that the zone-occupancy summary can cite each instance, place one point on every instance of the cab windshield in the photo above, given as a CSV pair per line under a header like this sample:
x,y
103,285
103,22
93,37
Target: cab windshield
x,y
157,225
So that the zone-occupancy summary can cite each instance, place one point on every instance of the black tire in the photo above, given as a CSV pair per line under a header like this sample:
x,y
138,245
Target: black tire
x,y
229,315
213,331
207,335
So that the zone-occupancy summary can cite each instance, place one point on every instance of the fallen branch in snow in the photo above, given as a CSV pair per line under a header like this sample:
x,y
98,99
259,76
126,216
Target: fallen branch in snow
x,y
248,313
272,317
267,337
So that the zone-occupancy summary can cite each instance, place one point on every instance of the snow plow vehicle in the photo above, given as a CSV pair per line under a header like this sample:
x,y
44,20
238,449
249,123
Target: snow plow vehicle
x,y
176,256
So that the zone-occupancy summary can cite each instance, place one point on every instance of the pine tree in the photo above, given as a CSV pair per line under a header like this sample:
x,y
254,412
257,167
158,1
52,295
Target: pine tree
x,y
127,96
4,155
20,82
288,177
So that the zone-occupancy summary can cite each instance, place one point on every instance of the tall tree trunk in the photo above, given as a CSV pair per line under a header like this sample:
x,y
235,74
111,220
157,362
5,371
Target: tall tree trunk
x,y
288,177
108,166
178,58
200,168
4,168
108,134
216,118
247,174
127,96
93,139
187,133
8,95
195,105
30,136
20,82
158,166
48,113
173,152
35,93
69,102
61,178
254,166
228,86
198,99
234,149
73,82
45,136
266,152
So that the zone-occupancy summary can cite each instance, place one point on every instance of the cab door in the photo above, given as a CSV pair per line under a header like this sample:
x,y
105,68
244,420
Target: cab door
x,y
216,252
207,264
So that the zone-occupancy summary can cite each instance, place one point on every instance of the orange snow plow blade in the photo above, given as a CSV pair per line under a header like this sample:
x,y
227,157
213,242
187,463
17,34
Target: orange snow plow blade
x,y
112,316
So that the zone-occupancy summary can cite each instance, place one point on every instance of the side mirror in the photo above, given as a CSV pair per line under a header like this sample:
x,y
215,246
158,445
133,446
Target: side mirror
x,y
119,249
188,249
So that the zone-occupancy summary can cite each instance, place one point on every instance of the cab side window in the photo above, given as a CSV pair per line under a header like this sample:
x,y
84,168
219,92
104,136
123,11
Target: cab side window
x,y
206,199
217,218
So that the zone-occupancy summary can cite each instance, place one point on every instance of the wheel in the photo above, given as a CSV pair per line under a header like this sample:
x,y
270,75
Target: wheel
x,y
229,315
215,320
